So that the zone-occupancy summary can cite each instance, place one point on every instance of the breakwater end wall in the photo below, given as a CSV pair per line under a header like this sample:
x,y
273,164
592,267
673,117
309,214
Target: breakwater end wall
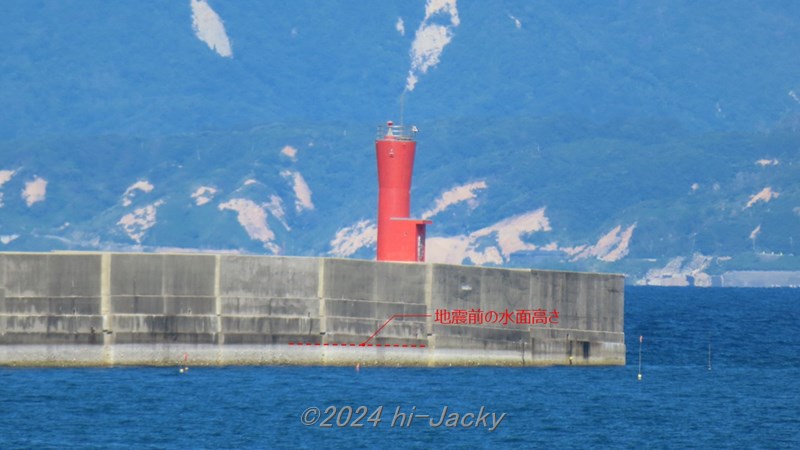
x,y
104,309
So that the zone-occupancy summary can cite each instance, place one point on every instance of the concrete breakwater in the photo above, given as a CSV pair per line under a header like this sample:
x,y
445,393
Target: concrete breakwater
x,y
102,309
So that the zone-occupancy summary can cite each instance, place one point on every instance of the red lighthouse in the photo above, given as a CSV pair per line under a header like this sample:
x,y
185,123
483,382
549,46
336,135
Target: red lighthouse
x,y
400,238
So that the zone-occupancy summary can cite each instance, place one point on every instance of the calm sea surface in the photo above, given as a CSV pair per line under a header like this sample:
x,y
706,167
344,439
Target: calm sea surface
x,y
750,398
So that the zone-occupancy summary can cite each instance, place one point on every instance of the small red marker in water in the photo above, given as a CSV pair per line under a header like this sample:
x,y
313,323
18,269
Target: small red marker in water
x,y
185,367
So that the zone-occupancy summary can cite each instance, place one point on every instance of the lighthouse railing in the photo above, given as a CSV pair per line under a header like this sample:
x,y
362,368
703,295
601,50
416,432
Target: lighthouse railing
x,y
398,132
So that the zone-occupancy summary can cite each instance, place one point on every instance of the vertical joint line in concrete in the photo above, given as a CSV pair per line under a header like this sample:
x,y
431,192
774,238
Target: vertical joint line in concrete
x,y
105,308
323,327
218,304
429,298
431,339
530,328
2,311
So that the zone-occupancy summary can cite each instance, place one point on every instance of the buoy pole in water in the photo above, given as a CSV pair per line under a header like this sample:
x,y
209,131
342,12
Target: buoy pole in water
x,y
709,352
639,376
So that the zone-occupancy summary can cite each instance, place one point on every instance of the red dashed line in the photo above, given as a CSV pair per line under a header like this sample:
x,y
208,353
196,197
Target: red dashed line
x,y
318,344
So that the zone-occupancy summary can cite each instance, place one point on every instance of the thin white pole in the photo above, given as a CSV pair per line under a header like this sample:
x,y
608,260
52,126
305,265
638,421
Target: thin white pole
x,y
709,352
639,377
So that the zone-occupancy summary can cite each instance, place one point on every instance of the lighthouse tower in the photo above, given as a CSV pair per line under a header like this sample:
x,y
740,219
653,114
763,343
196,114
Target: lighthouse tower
x,y
400,238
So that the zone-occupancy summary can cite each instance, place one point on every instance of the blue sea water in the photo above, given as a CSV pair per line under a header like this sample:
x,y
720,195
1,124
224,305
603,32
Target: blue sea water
x,y
750,398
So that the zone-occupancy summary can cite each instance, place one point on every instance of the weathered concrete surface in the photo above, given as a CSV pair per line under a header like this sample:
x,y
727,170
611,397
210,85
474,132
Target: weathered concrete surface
x,y
59,309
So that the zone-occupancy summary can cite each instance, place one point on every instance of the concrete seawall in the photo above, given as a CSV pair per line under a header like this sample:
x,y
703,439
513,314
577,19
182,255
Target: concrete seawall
x,y
101,309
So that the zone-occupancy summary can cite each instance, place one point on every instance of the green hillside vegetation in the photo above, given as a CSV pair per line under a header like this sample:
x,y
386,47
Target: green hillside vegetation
x,y
606,114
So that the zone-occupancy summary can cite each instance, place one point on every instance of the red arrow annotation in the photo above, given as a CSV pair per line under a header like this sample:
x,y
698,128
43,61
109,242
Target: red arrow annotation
x,y
366,343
